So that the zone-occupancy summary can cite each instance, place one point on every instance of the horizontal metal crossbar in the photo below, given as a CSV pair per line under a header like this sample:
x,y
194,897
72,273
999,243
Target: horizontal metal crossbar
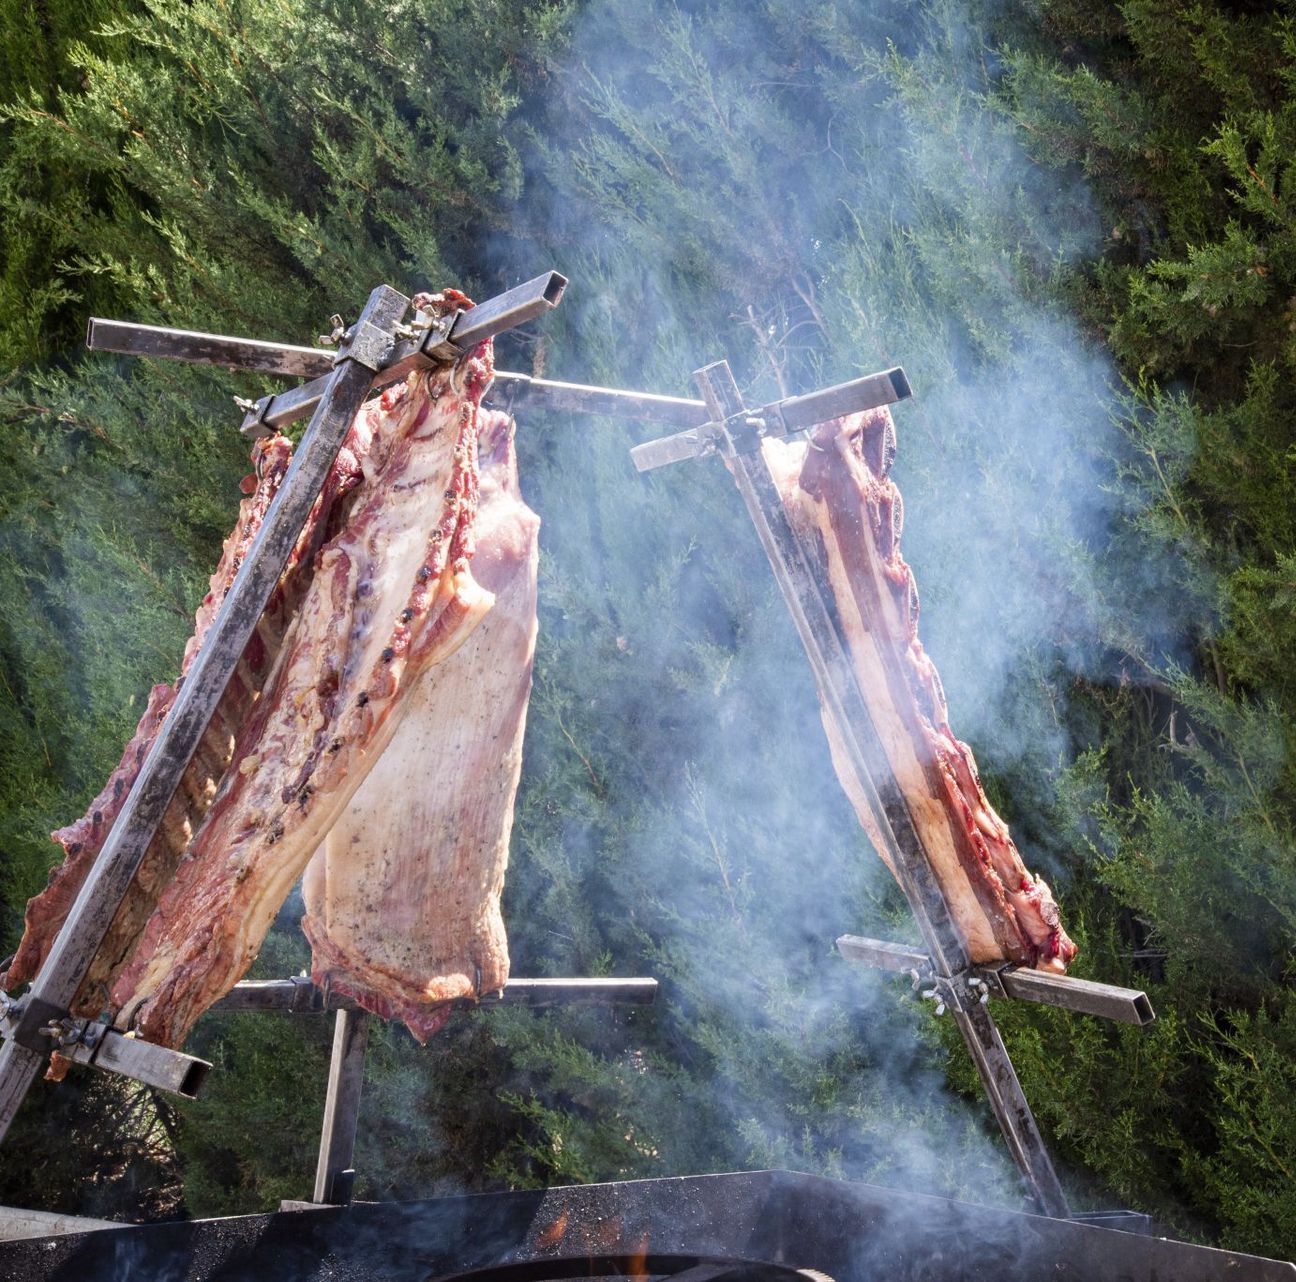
x,y
779,418
462,330
1086,996
300,996
508,392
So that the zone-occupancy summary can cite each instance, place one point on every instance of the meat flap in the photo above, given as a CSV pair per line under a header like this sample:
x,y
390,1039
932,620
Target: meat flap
x,y
848,514
403,897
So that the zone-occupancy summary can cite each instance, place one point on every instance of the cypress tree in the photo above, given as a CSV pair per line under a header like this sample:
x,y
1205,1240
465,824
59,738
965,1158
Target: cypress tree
x,y
1092,303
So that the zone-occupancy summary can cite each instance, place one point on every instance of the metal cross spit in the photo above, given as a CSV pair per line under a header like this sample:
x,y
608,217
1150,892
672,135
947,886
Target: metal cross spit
x,y
373,352
377,350
957,984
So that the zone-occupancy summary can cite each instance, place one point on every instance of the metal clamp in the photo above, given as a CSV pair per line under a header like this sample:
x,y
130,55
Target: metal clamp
x,y
437,344
337,331
980,983
367,344
254,425
29,1018
745,431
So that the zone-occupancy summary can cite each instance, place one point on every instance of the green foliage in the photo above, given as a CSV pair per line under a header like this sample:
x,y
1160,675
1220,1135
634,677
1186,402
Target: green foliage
x,y
241,168
1069,222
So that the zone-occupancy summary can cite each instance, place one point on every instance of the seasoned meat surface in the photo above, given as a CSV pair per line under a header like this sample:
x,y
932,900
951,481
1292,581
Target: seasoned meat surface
x,y
392,595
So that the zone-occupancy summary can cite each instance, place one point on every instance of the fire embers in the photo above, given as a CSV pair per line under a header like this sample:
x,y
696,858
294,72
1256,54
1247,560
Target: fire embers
x,y
848,515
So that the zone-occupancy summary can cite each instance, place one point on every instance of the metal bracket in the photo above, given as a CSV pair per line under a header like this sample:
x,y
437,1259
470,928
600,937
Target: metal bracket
x,y
46,1028
367,344
254,425
745,431
438,344
29,1018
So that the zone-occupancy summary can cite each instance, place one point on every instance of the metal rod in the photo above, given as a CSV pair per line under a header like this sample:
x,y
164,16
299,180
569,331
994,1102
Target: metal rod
x,y
1125,1005
780,417
144,1062
508,310
300,996
807,598
334,1174
207,349
101,894
882,955
508,392
468,328
845,398
505,311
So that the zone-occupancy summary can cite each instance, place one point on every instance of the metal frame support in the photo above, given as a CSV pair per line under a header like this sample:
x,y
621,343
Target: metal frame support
x,y
334,1174
807,597
776,419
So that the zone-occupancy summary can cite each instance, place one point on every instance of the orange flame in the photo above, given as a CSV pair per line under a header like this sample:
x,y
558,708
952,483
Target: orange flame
x,y
639,1259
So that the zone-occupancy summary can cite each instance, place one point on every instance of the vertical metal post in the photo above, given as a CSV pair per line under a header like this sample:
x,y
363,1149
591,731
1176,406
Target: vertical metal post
x,y
334,1175
809,601
59,978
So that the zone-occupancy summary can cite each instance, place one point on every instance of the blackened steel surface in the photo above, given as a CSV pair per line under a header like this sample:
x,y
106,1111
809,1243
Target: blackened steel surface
x,y
851,1232
637,1265
300,996
101,894
809,601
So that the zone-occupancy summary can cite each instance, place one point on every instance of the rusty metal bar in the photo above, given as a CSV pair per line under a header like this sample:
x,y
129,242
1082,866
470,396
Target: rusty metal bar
x,y
808,600
129,339
462,330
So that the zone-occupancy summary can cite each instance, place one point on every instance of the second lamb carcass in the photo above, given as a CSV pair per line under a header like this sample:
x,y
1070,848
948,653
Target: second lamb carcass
x,y
392,595
847,513
403,898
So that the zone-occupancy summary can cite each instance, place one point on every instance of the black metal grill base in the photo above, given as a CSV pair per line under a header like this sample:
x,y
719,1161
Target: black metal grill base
x,y
849,1232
